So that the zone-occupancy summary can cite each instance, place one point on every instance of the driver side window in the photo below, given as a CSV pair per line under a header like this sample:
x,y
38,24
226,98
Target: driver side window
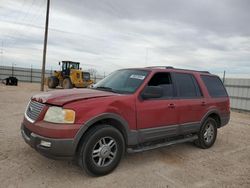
x,y
163,80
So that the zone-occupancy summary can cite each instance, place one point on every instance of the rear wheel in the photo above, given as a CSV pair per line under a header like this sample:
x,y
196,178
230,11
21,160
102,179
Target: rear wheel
x,y
53,82
207,134
67,83
101,151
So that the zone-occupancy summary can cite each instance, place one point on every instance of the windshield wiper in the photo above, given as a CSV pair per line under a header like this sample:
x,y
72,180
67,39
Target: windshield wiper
x,y
106,89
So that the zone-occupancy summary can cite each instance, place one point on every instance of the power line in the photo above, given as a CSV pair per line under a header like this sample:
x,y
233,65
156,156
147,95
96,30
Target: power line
x,y
25,24
27,10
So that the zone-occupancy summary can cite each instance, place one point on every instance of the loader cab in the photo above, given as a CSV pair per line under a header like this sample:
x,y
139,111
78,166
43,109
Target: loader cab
x,y
67,65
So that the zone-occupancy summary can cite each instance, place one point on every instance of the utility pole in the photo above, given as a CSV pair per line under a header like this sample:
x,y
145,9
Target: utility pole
x,y
45,46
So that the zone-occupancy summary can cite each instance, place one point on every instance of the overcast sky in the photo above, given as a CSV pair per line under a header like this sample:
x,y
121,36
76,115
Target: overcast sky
x,y
113,34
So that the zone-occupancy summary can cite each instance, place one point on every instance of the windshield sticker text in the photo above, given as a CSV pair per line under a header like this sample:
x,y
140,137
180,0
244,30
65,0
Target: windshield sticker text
x,y
135,76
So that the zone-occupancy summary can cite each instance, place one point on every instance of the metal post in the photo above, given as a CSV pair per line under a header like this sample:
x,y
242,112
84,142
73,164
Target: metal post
x,y
45,46
1,54
12,70
31,74
223,80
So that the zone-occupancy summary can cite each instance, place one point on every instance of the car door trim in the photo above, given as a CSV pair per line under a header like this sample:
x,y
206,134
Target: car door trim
x,y
156,133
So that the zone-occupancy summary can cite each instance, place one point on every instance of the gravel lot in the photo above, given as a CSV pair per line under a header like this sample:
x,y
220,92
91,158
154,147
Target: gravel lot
x,y
226,164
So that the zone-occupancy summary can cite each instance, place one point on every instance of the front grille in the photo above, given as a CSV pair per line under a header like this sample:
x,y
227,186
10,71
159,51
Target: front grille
x,y
34,109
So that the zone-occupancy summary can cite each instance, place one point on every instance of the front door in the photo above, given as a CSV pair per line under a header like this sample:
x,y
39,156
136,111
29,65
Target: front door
x,y
158,117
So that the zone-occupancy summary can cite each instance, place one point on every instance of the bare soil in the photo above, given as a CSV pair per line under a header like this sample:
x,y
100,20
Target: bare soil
x,y
226,164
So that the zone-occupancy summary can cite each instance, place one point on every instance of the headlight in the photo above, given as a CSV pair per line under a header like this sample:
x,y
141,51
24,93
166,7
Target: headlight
x,y
59,115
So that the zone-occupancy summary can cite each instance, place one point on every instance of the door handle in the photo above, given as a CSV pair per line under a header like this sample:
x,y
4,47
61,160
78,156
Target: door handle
x,y
171,105
203,103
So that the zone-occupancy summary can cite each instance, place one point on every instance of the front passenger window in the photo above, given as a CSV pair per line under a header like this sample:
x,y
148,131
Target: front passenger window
x,y
163,79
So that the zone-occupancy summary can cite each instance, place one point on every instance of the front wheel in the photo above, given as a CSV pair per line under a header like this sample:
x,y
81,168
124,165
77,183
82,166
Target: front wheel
x,y
207,134
67,83
101,150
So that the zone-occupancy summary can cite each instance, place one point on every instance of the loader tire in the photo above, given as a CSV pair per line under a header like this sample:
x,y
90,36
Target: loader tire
x,y
53,82
67,83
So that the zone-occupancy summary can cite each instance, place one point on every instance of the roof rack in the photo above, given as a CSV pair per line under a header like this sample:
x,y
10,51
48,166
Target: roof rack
x,y
170,67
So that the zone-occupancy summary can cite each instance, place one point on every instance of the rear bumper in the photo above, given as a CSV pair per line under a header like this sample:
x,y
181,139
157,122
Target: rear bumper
x,y
225,120
58,149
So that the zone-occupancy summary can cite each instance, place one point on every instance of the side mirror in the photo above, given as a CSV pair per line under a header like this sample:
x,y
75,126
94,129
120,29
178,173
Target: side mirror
x,y
152,92
59,63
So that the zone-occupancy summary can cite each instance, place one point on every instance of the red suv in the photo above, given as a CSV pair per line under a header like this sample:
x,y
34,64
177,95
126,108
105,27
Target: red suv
x,y
130,110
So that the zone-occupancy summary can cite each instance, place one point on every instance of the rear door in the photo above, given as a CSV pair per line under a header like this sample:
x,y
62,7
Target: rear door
x,y
191,104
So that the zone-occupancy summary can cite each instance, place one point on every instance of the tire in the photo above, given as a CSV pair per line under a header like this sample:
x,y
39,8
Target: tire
x,y
104,161
61,83
207,134
53,82
67,83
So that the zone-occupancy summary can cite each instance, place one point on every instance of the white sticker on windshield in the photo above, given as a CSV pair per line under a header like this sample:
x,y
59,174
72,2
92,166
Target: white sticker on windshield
x,y
136,76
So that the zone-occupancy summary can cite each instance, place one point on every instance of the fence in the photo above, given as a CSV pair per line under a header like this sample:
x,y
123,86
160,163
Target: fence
x,y
29,74
23,74
238,89
239,92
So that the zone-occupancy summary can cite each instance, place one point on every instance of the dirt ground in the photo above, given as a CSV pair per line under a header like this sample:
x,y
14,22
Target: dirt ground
x,y
226,164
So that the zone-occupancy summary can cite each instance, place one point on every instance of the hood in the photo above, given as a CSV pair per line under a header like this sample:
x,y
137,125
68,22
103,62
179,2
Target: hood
x,y
61,97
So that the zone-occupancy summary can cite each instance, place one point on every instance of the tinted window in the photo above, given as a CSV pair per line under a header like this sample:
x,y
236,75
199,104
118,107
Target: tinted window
x,y
214,86
163,80
186,85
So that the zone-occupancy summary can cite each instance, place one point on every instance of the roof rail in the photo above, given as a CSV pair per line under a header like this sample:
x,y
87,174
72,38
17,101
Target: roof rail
x,y
163,67
170,67
192,70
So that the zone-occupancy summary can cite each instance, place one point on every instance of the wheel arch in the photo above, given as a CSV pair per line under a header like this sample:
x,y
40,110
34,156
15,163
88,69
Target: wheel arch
x,y
213,114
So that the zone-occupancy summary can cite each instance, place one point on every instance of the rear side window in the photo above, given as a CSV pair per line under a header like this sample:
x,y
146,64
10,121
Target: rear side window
x,y
187,86
214,86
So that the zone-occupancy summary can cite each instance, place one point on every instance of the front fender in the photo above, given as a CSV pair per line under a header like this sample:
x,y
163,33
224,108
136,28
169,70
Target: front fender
x,y
130,135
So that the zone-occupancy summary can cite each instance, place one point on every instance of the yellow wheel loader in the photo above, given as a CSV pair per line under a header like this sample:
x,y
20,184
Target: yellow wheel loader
x,y
70,76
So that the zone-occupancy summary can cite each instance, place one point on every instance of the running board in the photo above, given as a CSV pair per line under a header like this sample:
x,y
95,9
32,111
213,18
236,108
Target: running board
x,y
151,147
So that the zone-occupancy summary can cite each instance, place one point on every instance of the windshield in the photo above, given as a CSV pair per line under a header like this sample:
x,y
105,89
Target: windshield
x,y
74,66
69,65
122,81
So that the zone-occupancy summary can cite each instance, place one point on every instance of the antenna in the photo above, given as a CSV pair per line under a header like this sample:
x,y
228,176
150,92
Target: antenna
x,y
146,57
